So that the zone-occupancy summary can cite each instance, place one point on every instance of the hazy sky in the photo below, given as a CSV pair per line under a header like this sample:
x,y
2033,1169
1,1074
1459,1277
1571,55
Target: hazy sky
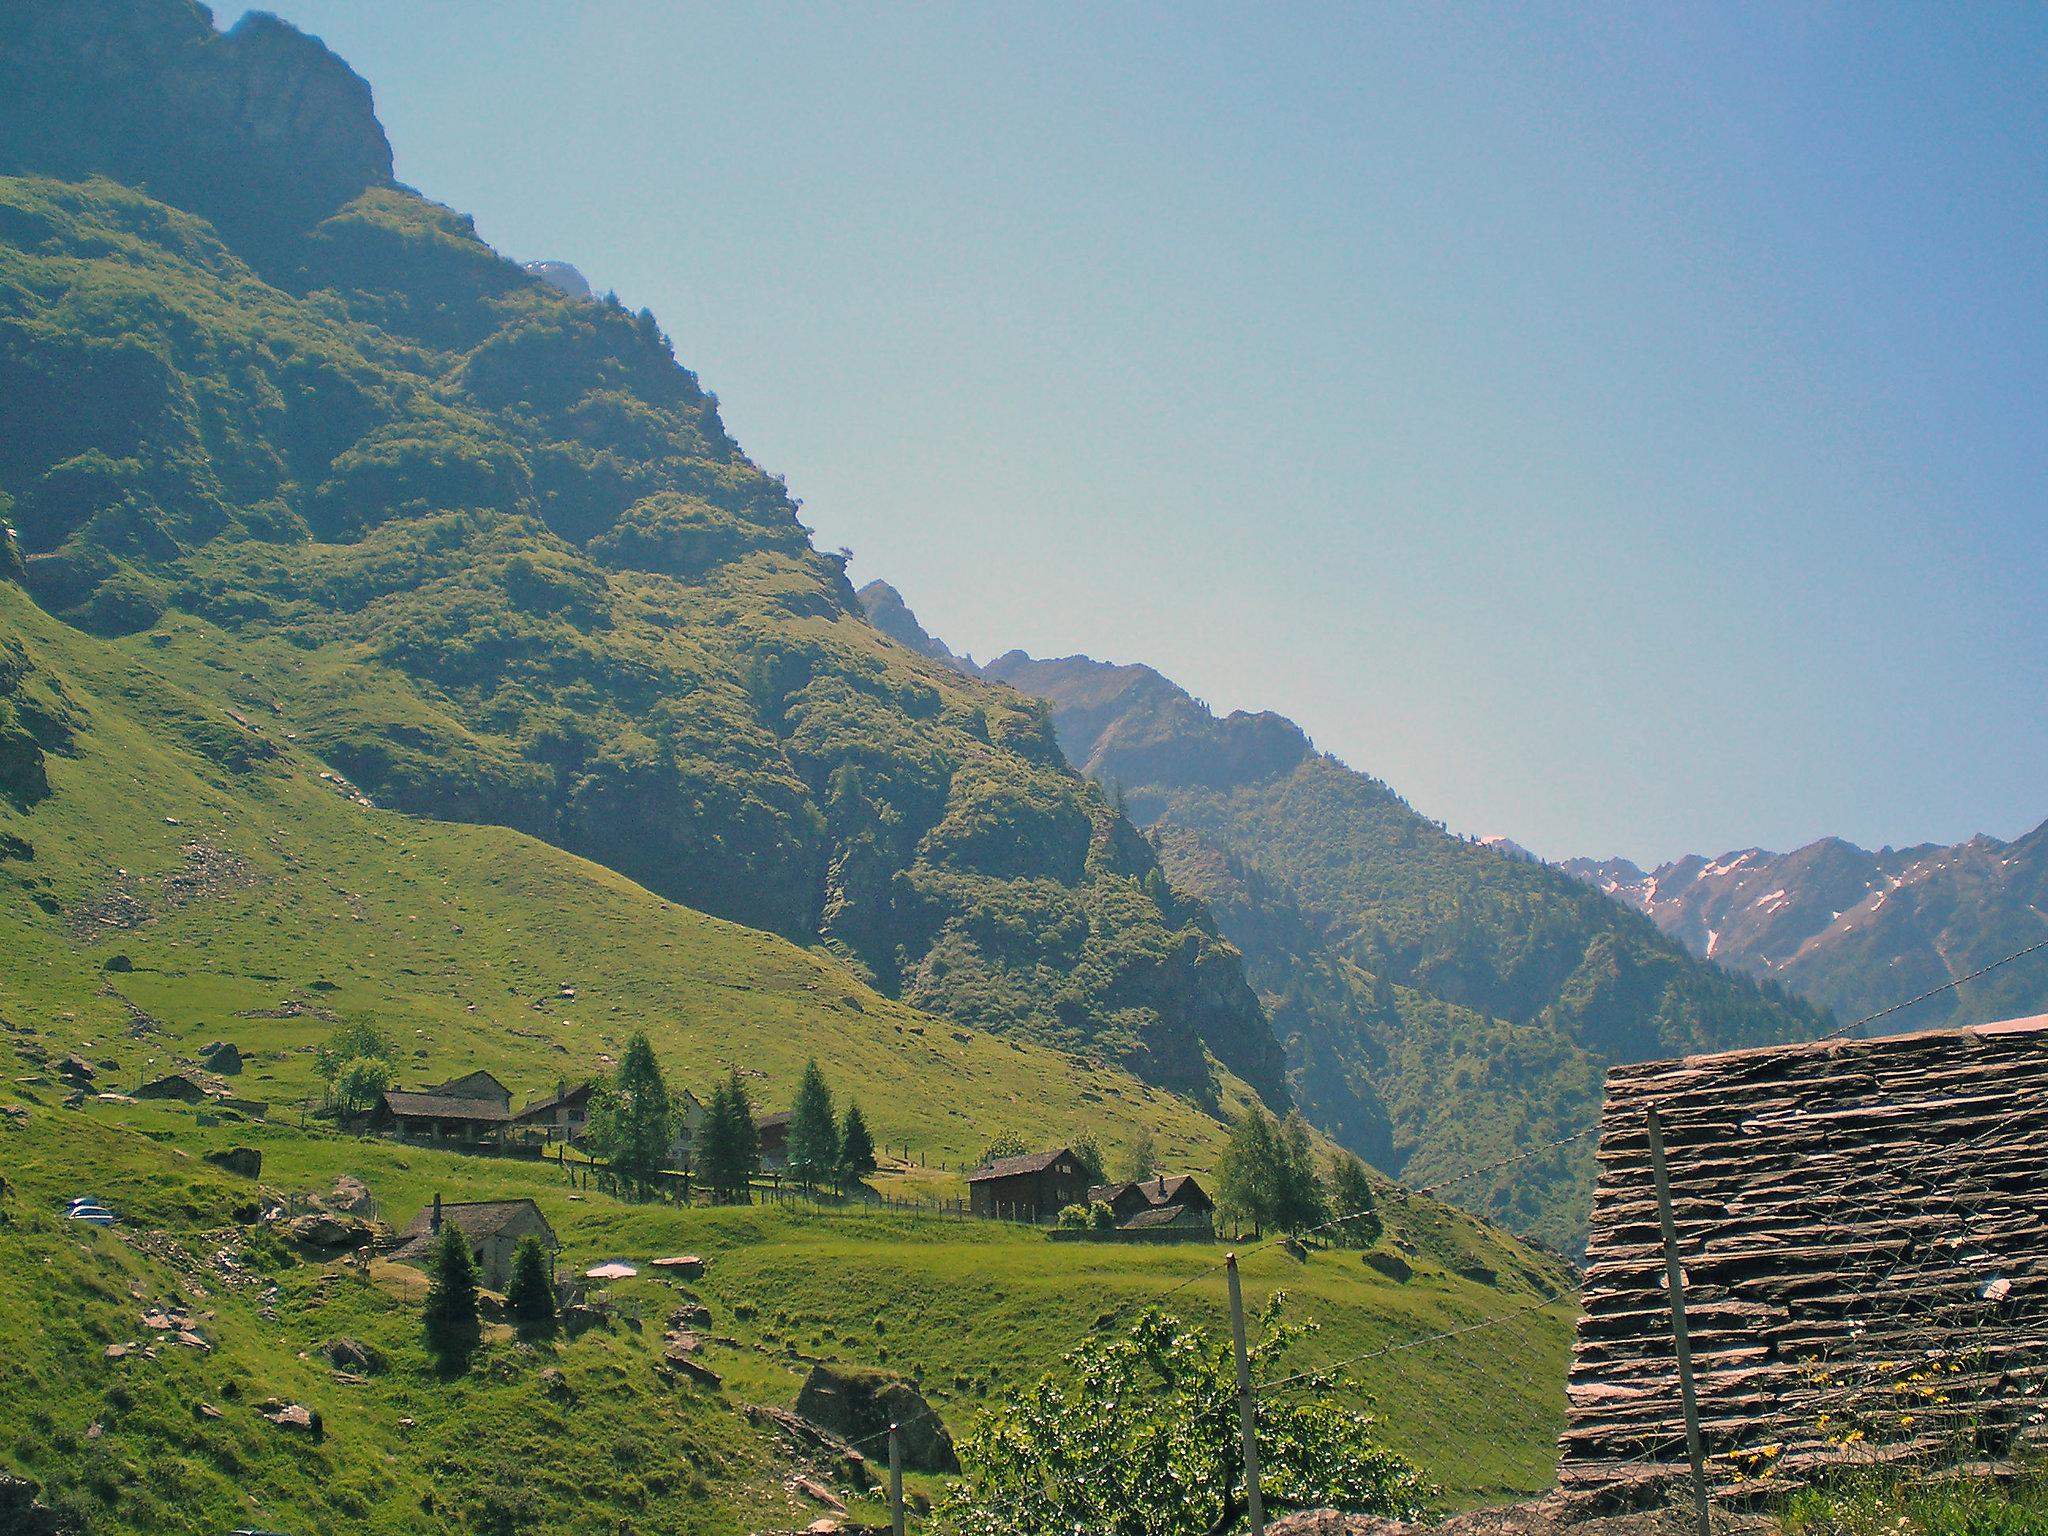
x,y
1621,427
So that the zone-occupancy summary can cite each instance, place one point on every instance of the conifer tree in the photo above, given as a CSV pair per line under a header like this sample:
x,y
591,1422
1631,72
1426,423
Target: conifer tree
x,y
1300,1198
856,1147
531,1294
813,1136
451,1316
632,1123
1351,1194
731,1153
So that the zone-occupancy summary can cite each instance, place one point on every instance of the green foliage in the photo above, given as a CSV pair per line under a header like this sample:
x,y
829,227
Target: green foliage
x,y
813,1134
451,1311
358,1084
729,1147
1101,1216
1352,1200
1268,1177
856,1147
1891,1504
1006,1144
1139,1436
530,1294
1140,1160
1074,1218
1088,1156
1300,1201
354,1062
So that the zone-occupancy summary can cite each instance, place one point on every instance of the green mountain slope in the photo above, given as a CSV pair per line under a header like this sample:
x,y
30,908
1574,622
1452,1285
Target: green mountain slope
x,y
1442,1005
489,550
178,869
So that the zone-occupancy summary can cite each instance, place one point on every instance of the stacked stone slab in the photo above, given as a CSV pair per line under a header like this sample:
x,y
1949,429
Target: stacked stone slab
x,y
1863,1226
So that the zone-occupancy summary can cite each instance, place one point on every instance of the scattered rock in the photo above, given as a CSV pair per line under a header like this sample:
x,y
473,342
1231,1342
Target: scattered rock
x,y
192,1340
349,1194
817,1493
221,1056
1392,1265
677,1346
116,1351
554,1383
286,1415
697,1371
685,1266
579,1317
207,1411
691,1314
247,1161
76,1069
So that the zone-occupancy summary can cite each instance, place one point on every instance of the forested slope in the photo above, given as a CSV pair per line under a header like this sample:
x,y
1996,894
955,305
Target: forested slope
x,y
490,550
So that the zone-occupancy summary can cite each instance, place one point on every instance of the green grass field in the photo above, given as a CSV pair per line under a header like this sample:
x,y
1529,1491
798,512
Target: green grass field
x,y
247,898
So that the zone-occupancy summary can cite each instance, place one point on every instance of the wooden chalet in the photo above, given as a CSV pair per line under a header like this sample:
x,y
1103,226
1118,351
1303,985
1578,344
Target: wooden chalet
x,y
1863,1239
469,1110
1164,1202
1034,1187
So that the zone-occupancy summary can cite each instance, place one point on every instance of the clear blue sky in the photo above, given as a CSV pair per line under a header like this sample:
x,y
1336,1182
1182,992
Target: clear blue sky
x,y
1623,427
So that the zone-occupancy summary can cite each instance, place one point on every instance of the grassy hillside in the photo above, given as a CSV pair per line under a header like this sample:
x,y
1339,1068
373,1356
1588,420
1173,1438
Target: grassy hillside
x,y
491,549
240,891
1442,1004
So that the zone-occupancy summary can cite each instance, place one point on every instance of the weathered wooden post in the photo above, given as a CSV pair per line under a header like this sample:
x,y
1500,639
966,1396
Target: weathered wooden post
x,y
1674,1279
895,1480
1247,1415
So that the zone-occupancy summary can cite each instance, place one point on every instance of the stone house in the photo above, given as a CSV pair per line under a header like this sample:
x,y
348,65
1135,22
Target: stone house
x,y
493,1227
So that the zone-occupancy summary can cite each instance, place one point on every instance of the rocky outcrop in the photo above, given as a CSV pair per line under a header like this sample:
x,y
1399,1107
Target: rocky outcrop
x,y
244,127
858,1404
887,611
247,1161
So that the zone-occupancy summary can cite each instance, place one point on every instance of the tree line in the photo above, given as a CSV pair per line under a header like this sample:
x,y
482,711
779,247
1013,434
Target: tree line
x,y
1269,1178
634,1121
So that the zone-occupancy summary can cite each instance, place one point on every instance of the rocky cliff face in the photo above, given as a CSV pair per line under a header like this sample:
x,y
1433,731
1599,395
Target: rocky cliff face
x,y
252,128
1857,930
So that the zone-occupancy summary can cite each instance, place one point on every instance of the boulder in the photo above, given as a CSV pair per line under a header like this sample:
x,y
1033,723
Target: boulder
x,y
856,1404
349,1194
247,1161
554,1383
76,1069
221,1056
697,1371
348,1354
580,1317
1392,1265
684,1266
325,1232
691,1314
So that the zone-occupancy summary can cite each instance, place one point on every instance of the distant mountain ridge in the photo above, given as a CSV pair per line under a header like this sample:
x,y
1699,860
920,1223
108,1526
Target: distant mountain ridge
x,y
1443,1004
1858,931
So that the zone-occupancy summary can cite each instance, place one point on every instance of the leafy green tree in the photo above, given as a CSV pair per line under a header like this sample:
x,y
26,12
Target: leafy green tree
x,y
1250,1178
358,1084
1300,1201
1073,1218
632,1122
1141,1161
813,1135
730,1148
1351,1195
1089,1156
451,1316
856,1147
1102,1216
355,1064
1138,1436
1006,1144
531,1293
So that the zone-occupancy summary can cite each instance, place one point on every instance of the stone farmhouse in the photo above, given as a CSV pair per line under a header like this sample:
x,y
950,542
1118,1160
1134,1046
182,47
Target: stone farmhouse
x,y
493,1227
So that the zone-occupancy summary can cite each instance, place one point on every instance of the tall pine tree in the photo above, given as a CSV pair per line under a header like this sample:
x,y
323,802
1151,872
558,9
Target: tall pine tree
x,y
451,1315
632,1123
730,1153
813,1136
856,1147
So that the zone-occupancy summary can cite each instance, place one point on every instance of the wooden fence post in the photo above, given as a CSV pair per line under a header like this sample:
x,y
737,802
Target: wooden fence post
x,y
895,1481
1674,1279
1247,1416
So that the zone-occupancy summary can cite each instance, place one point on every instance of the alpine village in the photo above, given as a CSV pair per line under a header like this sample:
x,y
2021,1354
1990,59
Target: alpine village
x,y
534,1005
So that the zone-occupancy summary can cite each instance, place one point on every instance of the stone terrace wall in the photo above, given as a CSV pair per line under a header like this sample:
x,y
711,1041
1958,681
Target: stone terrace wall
x,y
1863,1226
